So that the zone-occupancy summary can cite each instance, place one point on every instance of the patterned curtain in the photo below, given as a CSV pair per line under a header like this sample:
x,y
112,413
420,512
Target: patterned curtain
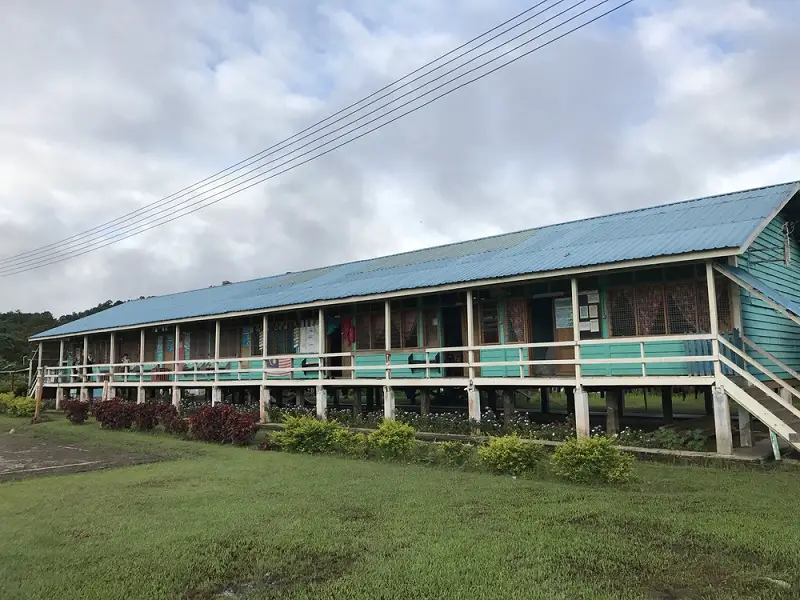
x,y
650,310
410,318
515,321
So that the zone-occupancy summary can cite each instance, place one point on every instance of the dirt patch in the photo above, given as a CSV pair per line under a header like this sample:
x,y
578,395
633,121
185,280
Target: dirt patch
x,y
22,457
294,571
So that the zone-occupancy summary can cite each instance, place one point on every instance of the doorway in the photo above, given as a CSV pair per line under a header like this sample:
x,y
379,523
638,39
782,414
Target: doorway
x,y
334,346
542,331
452,336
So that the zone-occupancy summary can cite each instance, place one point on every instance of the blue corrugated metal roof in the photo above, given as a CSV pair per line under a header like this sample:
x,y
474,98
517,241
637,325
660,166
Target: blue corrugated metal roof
x,y
711,223
771,293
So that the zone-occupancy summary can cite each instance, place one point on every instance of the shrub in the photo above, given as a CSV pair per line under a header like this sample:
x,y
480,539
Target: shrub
x,y
270,443
176,425
306,434
115,414
240,428
165,412
76,411
5,402
509,455
393,440
592,459
351,443
208,424
454,454
17,406
144,416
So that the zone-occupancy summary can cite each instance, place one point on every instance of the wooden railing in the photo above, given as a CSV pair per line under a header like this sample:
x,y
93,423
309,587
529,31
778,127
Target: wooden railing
x,y
433,362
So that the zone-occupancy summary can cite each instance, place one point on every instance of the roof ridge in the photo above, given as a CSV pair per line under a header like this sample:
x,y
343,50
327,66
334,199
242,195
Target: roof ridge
x,y
456,243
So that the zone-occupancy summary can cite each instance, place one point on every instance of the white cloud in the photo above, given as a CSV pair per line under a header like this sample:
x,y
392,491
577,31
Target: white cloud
x,y
109,106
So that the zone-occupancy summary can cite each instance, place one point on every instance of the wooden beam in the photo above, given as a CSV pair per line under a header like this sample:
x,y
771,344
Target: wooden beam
x,y
576,330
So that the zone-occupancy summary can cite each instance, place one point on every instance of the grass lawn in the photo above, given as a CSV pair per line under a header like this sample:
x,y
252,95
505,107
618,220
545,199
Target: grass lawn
x,y
214,521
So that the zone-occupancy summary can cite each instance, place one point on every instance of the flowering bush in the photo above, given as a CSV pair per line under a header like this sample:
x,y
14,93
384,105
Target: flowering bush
x,y
664,437
584,460
509,455
347,418
76,411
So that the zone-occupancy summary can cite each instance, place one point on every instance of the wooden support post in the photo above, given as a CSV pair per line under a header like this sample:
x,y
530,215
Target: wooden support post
x,y
140,395
576,330
714,321
582,426
722,422
787,396
425,402
613,402
322,402
387,322
388,403
321,342
470,338
357,408
708,398
666,404
570,392
264,326
59,397
491,399
141,358
264,403
508,407
544,395
86,358
217,341
39,390
60,364
745,428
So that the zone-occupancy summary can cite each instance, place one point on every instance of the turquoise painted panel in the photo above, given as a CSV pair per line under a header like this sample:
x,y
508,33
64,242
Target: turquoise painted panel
x,y
774,332
500,355
633,350
370,360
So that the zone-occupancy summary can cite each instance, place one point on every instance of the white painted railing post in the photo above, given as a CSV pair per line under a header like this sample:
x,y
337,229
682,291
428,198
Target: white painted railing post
x,y
60,362
473,394
576,330
112,359
142,335
387,333
581,412
321,343
714,321
264,325
216,392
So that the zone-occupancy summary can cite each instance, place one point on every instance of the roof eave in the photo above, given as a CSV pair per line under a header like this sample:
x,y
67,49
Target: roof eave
x,y
634,263
768,219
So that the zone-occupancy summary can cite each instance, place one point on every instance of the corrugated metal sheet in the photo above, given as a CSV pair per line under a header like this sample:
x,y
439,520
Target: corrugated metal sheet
x,y
710,223
770,292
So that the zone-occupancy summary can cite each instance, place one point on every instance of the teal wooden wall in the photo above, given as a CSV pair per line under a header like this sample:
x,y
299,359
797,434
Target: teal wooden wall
x,y
764,325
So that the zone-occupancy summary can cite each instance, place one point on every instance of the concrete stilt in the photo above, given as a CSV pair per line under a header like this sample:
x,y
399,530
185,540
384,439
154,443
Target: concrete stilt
x,y
140,391
264,403
582,426
425,402
216,395
613,404
357,402
722,421
322,402
176,397
300,398
474,403
59,397
745,428
666,403
84,394
388,403
508,406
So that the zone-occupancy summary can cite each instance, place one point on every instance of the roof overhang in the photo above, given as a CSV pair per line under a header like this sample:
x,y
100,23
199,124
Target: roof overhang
x,y
573,272
757,231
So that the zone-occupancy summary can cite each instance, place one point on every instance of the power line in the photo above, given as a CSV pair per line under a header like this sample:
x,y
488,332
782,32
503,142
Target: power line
x,y
263,177
290,140
130,226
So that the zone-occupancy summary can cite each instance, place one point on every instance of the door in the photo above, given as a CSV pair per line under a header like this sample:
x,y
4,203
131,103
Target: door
x,y
452,336
562,317
542,330
334,346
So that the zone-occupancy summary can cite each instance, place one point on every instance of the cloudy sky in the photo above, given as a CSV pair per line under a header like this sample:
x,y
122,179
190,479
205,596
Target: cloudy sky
x,y
107,105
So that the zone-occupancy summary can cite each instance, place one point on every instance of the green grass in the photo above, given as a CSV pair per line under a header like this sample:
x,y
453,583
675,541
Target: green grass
x,y
273,525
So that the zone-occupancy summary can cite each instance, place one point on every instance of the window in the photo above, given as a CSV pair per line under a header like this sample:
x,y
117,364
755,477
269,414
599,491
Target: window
x,y
200,345
404,329
673,308
490,326
280,338
516,321
370,331
230,340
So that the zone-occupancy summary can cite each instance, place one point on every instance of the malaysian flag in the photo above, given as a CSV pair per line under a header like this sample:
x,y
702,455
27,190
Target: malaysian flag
x,y
279,366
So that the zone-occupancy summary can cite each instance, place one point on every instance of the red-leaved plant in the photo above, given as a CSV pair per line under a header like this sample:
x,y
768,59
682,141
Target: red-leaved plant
x,y
115,414
222,425
76,411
